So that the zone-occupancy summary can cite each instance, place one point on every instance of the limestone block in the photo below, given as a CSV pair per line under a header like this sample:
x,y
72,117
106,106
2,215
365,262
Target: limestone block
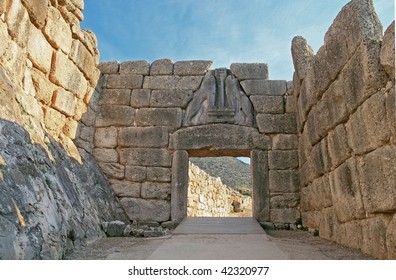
x,y
368,128
374,236
391,239
4,37
170,98
105,155
339,150
345,191
264,87
70,128
125,188
66,74
14,59
302,54
85,61
329,224
18,23
317,195
308,94
110,67
304,148
284,181
135,173
267,104
112,170
86,133
2,6
109,115
377,173
320,159
64,101
387,55
350,234
285,142
287,200
250,71
125,81
192,67
391,112
284,215
54,120
57,31
311,219
282,159
115,97
161,67
146,209
260,185
158,174
145,157
37,10
172,82
138,67
280,123
155,190
143,137
106,137
80,110
39,50
140,98
168,117
291,104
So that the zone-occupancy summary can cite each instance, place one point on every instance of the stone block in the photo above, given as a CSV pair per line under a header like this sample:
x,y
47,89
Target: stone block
x,y
80,110
302,54
291,104
170,98
85,61
368,128
158,174
320,159
339,150
146,209
283,159
145,157
287,200
260,185
173,82
125,81
317,195
311,219
65,73
115,229
168,117
109,115
138,67
140,98
106,137
374,236
70,128
192,67
250,71
267,104
86,133
38,11
161,67
155,190
285,142
179,189
391,239
64,101
345,191
18,23
282,123
135,173
284,181
125,188
115,97
350,234
387,55
143,137
39,50
112,170
105,155
288,216
110,67
58,31
264,87
328,224
377,173
54,121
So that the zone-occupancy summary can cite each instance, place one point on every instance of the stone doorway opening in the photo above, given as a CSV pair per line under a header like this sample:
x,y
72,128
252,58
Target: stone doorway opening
x,y
219,187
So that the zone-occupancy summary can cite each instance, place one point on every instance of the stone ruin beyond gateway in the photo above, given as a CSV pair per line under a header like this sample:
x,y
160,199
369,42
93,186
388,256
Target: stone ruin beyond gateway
x,y
152,118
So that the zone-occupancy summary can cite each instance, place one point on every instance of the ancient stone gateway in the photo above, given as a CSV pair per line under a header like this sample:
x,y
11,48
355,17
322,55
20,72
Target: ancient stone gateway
x,y
152,118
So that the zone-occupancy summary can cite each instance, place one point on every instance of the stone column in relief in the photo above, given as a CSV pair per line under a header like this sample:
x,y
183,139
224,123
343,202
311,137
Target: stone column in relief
x,y
260,184
179,186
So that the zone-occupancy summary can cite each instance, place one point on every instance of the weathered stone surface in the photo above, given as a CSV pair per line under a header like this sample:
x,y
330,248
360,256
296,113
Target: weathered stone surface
x,y
106,137
161,67
135,173
138,67
328,224
302,54
179,185
125,81
264,87
311,219
250,71
143,137
192,67
158,174
170,98
375,229
64,101
146,209
172,82
285,142
54,121
58,31
280,123
387,55
317,195
320,159
155,190
110,67
339,150
112,170
391,239
37,10
18,23
140,98
70,128
283,159
115,97
109,115
115,229
350,234
260,185
39,50
284,181
145,157
287,200
168,117
85,61
124,188
267,104
105,155
284,215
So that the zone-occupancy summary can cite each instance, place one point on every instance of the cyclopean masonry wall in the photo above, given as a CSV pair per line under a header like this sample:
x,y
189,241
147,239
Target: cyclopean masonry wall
x,y
151,118
347,137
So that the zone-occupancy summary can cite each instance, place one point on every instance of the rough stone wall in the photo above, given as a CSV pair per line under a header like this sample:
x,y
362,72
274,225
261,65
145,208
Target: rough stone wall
x,y
53,196
346,125
209,197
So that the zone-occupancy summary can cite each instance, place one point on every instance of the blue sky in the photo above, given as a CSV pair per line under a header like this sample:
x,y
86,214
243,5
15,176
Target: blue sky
x,y
225,31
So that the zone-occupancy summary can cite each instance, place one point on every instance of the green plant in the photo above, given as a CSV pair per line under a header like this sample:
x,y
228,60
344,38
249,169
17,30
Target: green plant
x,y
315,232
